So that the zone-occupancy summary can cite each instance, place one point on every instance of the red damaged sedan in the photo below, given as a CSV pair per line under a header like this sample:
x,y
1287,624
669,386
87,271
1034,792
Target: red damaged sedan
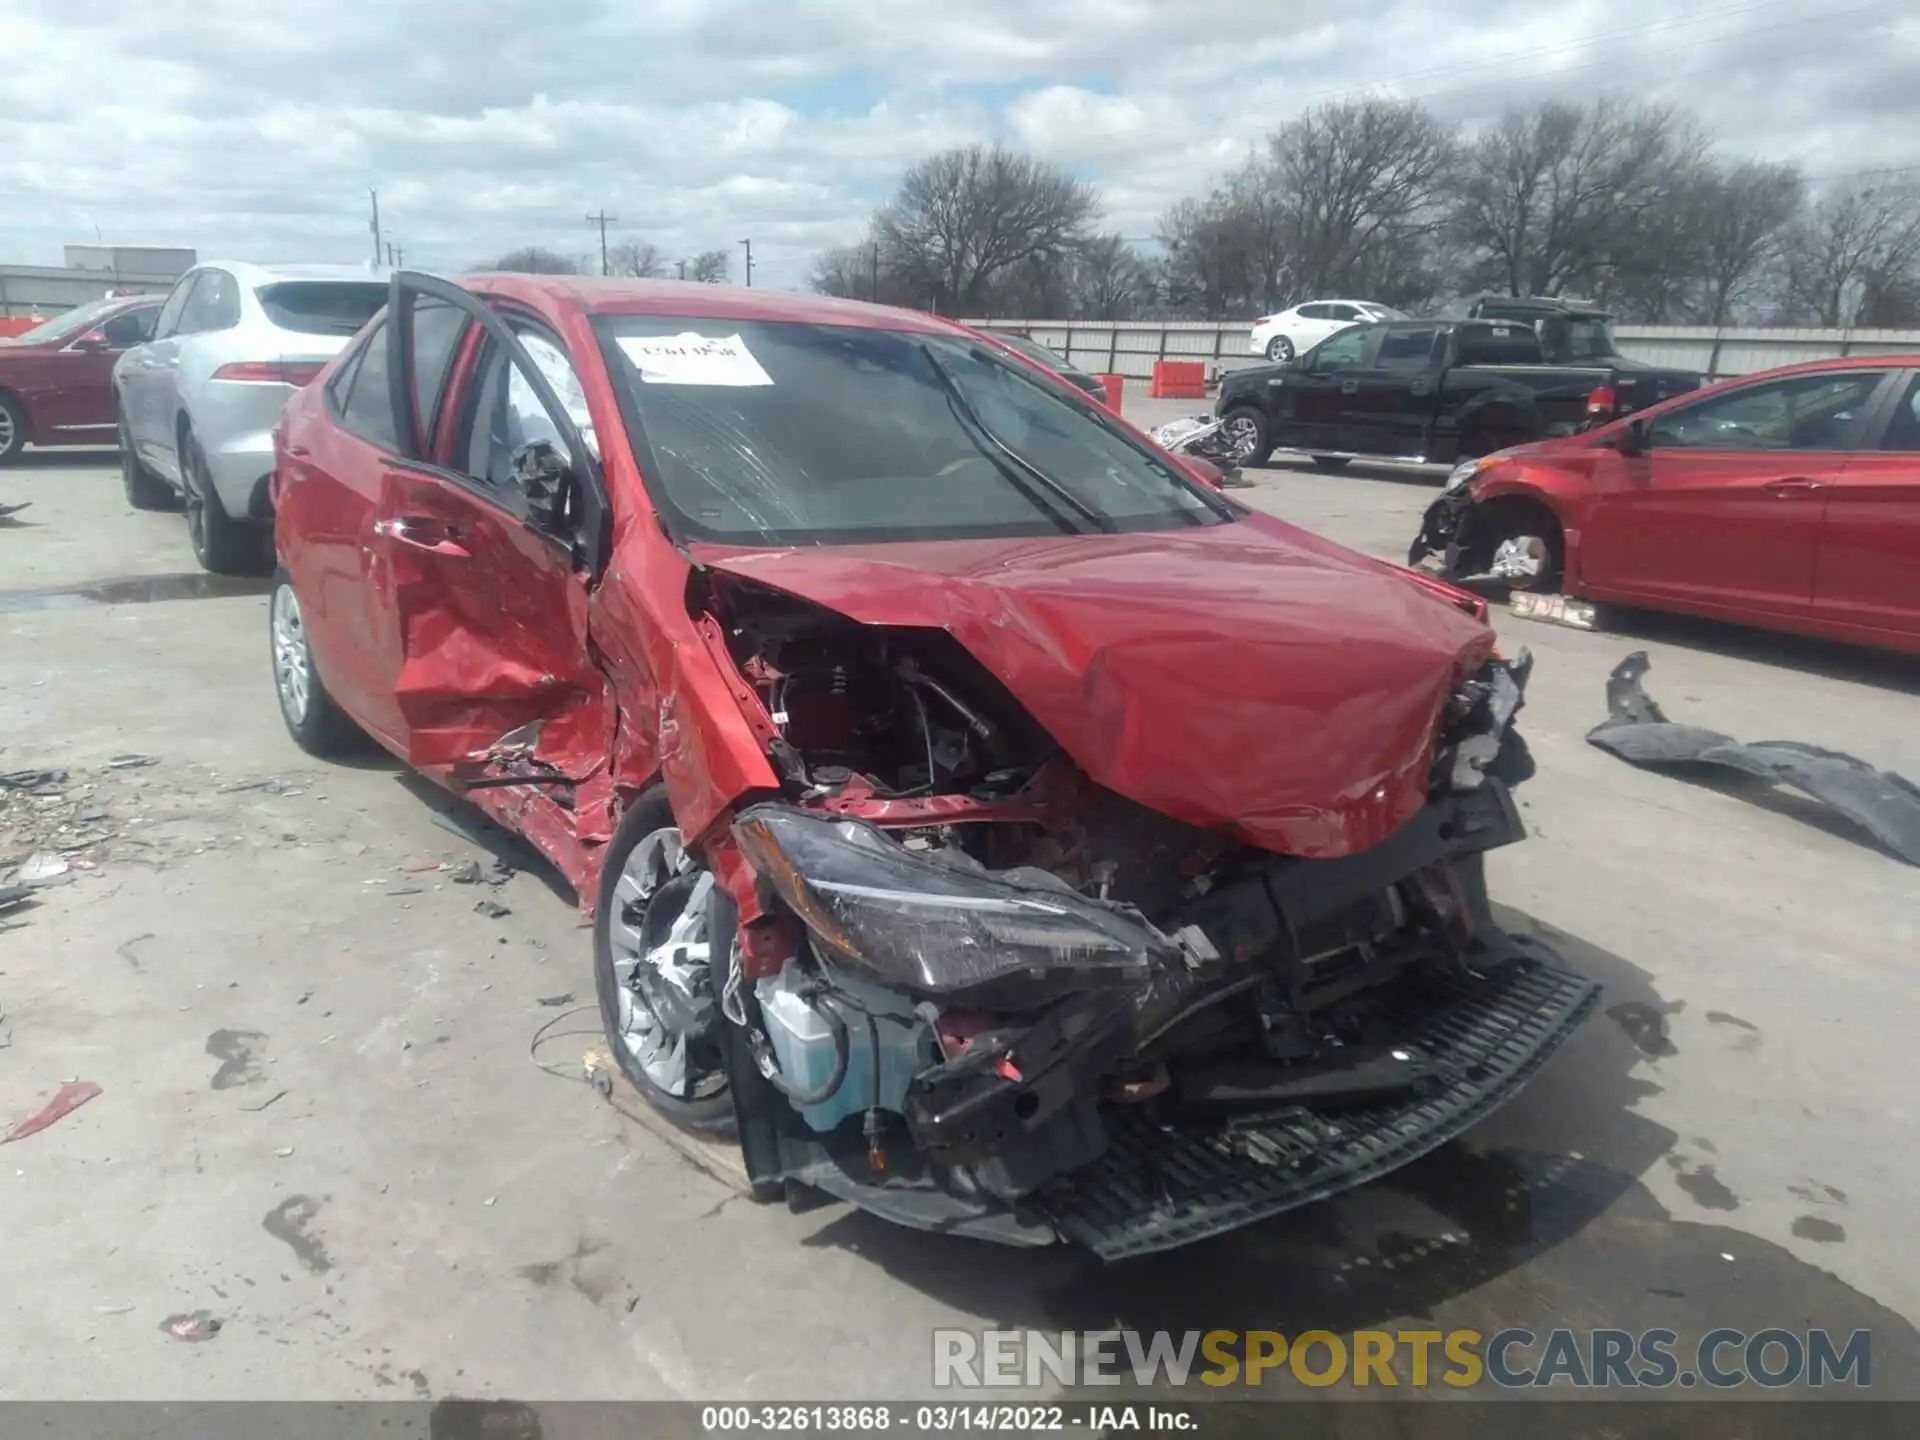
x,y
984,822
1788,500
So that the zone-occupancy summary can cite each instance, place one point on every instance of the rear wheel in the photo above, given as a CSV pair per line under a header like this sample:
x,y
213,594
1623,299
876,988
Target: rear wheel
x,y
652,939
222,544
145,490
317,723
1279,349
13,429
1332,462
1249,439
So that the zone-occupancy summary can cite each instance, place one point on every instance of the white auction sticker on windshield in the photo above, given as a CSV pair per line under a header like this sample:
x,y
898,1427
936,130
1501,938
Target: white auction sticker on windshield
x,y
690,359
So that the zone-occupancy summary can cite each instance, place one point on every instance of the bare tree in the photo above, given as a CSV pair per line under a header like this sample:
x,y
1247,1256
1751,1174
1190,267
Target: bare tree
x,y
1749,210
535,260
1354,191
637,259
1212,265
962,219
1107,279
1855,260
710,267
1551,197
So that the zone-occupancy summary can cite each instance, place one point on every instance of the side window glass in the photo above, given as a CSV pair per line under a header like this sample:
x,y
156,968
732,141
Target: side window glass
x,y
437,328
509,414
1344,312
1314,312
125,331
169,321
1903,430
1407,350
1343,352
215,304
368,410
1806,412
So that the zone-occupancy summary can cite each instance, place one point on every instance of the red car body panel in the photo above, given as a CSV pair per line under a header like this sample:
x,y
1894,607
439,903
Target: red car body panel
x,y
63,389
1248,676
1815,542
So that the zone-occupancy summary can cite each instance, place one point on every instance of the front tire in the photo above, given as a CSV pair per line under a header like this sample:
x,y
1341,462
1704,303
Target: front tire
x,y
1280,350
14,426
651,933
1249,435
221,544
145,490
315,720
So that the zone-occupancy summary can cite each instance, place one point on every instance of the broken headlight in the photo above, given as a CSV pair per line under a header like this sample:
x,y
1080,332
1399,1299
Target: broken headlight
x,y
935,929
1462,474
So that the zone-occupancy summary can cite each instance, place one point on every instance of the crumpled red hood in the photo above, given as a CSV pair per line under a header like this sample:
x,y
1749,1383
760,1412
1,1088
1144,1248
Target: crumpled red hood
x,y
1248,676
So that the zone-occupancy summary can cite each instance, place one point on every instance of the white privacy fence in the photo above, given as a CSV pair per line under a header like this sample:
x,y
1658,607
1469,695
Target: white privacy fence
x,y
1130,348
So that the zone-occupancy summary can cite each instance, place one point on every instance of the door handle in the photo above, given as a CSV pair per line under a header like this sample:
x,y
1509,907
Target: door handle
x,y
1349,387
421,532
1794,485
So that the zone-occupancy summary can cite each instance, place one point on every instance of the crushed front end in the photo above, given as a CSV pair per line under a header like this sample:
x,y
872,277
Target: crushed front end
x,y
981,993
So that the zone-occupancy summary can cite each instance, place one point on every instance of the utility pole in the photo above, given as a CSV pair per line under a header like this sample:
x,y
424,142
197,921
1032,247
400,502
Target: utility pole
x,y
749,245
603,220
683,269
873,291
374,195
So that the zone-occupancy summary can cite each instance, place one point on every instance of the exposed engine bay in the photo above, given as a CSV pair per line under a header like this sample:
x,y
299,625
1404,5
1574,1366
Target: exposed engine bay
x,y
982,984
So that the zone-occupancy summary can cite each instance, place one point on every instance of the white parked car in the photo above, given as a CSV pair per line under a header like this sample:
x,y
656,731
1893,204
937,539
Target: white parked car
x,y
196,405
1296,331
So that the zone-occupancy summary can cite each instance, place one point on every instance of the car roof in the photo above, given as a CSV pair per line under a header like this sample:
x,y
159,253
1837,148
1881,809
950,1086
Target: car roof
x,y
594,295
1838,362
248,273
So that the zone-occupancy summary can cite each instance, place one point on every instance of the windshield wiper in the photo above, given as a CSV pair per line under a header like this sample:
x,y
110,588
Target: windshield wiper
x,y
969,418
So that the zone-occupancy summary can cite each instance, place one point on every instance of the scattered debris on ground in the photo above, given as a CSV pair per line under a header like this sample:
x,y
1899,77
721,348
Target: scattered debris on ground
x,y
67,1099
1885,805
467,872
492,909
199,1325
1555,609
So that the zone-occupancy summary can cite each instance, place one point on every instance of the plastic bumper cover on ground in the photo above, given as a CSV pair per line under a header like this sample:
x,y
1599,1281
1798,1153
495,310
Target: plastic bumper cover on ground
x,y
1156,1189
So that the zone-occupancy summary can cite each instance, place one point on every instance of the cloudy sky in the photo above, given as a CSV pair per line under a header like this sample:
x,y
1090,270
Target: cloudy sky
x,y
255,129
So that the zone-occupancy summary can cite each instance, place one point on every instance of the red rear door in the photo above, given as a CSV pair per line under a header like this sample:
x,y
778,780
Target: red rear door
x,y
485,542
1867,574
1722,512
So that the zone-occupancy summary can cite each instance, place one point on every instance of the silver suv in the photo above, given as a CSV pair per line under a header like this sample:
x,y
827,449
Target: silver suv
x,y
197,403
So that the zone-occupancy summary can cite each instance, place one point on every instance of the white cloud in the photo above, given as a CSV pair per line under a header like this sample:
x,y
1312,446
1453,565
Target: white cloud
x,y
252,129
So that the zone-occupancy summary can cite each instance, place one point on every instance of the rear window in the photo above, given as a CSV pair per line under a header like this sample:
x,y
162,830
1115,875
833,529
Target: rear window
x,y
322,307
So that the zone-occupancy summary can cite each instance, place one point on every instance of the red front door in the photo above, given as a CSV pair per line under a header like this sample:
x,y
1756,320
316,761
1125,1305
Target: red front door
x,y
1867,573
479,600
1722,512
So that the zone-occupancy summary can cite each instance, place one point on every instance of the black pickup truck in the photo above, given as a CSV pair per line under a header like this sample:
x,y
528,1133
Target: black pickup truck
x,y
1437,391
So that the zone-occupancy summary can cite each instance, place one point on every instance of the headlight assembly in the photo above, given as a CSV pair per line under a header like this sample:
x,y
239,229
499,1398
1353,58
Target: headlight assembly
x,y
1462,474
934,929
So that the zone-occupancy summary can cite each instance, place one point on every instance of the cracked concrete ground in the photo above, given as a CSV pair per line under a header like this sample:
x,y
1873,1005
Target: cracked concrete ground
x,y
324,1122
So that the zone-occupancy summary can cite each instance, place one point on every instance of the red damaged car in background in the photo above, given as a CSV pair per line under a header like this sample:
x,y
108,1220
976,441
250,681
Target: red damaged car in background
x,y
983,821
1788,500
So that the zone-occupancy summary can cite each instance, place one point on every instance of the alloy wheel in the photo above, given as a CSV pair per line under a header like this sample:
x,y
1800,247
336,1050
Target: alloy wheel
x,y
292,662
1279,348
1243,438
658,935
8,435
